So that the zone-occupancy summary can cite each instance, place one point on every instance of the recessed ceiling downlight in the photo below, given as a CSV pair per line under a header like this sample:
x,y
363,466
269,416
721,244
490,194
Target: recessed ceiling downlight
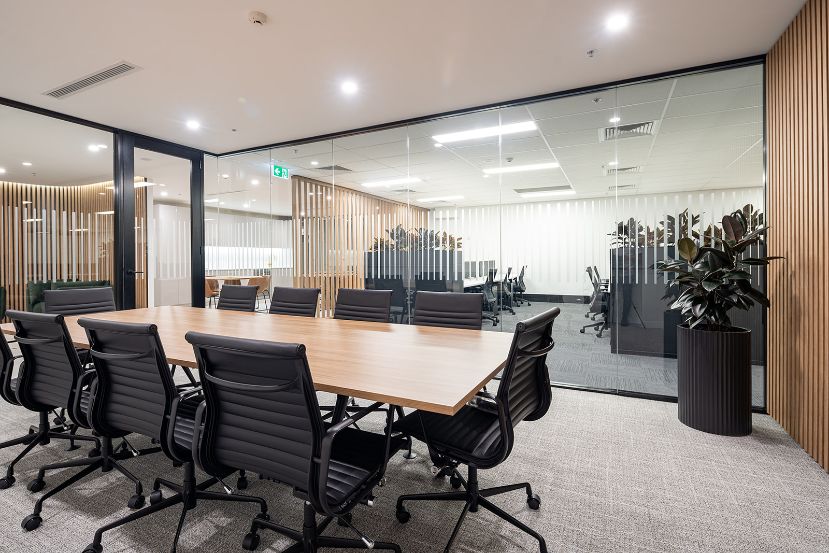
x,y
617,22
349,87
193,125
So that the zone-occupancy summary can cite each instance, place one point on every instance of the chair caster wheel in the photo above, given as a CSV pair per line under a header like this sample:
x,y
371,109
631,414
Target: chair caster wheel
x,y
7,482
403,515
156,497
136,502
455,482
242,483
31,522
251,541
94,452
36,485
91,548
581,330
344,520
534,502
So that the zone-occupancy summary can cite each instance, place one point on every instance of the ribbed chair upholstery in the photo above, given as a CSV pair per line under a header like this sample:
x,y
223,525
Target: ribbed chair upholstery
x,y
237,298
448,309
261,414
301,302
49,379
135,393
78,301
363,305
481,435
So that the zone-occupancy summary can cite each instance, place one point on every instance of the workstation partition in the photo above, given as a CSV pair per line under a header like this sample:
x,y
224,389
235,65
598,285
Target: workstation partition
x,y
517,202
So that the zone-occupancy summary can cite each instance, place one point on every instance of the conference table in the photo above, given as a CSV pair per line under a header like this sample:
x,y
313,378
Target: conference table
x,y
430,368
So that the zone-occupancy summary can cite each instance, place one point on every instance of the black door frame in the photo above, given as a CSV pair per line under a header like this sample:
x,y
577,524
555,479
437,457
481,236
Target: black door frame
x,y
124,197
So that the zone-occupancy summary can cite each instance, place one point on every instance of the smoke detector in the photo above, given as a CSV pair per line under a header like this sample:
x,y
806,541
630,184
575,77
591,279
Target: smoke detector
x,y
257,18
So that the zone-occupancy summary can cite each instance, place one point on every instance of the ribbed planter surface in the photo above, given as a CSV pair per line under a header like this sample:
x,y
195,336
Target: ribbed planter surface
x,y
715,380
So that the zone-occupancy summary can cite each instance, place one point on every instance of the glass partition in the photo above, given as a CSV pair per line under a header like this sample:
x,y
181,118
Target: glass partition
x,y
565,203
56,208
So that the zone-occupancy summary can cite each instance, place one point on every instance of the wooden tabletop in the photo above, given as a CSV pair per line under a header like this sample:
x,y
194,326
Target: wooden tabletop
x,y
429,368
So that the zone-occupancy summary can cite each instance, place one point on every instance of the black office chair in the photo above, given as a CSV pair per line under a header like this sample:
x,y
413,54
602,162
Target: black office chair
x,y
490,303
135,393
363,305
481,434
266,387
301,302
431,282
598,305
448,309
237,298
399,303
49,379
78,301
506,302
519,288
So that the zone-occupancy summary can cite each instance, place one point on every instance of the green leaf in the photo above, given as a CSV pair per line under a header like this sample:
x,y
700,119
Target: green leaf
x,y
710,286
732,228
687,249
738,275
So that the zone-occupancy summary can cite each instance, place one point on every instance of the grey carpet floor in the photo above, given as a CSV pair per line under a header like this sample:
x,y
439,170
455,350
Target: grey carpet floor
x,y
614,473
586,360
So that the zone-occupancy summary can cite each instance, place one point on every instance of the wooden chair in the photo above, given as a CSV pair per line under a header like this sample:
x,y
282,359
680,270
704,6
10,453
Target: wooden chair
x,y
211,290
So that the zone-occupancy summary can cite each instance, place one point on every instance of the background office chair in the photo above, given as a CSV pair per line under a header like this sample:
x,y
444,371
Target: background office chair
x,y
490,303
505,293
211,291
448,309
262,284
78,301
399,297
481,434
237,298
301,302
49,379
266,387
130,363
519,288
431,282
597,306
363,305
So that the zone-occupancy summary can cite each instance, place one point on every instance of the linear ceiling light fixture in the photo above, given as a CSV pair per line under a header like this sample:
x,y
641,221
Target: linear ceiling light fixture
x,y
391,182
521,168
547,193
440,199
485,132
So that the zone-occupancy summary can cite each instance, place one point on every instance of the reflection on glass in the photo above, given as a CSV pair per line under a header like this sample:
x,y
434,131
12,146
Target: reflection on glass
x,y
56,208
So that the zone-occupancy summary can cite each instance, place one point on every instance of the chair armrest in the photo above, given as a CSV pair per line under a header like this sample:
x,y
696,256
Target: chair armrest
x,y
86,379
328,446
171,424
196,443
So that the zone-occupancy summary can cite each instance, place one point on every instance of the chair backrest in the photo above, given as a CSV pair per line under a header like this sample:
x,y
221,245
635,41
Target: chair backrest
x,y
261,283
135,387
393,283
521,286
596,274
78,301
261,408
301,302
211,287
448,309
506,276
524,391
363,305
237,298
51,367
489,294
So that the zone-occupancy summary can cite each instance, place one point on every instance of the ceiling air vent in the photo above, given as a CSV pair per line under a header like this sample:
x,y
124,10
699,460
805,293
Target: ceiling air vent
x,y
648,128
621,187
620,171
334,168
114,71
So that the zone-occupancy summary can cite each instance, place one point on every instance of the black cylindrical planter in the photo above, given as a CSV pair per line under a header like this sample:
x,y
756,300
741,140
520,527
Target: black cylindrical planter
x,y
715,380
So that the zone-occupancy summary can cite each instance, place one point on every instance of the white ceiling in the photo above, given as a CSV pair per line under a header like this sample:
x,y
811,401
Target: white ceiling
x,y
204,60
710,130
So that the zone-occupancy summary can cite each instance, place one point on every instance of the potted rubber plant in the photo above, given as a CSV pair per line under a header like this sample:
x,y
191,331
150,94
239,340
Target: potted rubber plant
x,y
714,357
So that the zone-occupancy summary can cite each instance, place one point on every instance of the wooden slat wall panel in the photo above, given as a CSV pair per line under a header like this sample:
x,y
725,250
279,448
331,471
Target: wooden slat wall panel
x,y
72,241
797,103
333,228
141,246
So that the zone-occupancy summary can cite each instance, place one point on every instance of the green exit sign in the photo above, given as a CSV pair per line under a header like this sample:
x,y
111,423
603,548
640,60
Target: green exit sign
x,y
281,172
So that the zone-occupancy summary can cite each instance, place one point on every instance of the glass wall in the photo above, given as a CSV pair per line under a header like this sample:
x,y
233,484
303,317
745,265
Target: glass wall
x,y
567,202
56,207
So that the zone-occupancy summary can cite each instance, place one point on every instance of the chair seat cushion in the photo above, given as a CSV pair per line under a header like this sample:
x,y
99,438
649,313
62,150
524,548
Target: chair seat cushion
x,y
471,435
185,422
